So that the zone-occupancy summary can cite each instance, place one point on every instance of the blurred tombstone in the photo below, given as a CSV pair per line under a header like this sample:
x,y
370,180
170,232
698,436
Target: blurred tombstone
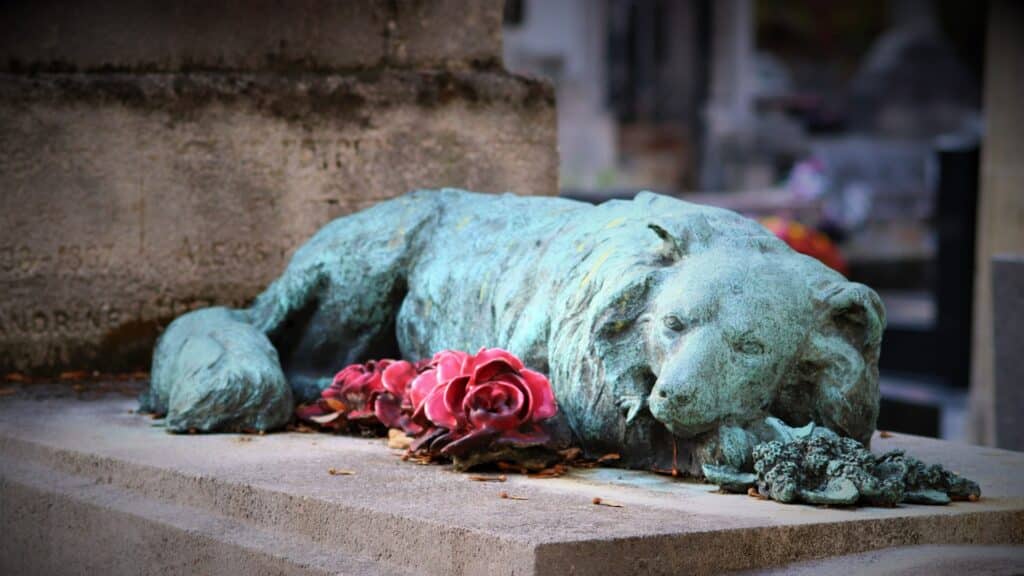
x,y
1000,227
157,157
1008,336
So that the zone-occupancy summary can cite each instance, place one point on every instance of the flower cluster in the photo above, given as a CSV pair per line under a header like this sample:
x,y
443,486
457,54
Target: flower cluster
x,y
453,404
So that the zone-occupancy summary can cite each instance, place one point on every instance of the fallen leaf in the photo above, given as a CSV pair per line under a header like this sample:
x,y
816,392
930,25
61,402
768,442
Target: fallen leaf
x,y
570,454
597,501
326,418
608,458
15,377
335,404
301,428
398,439
551,472
74,375
243,439
884,434
753,493
8,391
418,457
506,496
340,472
510,467
481,478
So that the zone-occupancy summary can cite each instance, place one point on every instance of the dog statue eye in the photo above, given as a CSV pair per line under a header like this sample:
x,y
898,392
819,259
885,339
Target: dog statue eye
x,y
751,347
674,323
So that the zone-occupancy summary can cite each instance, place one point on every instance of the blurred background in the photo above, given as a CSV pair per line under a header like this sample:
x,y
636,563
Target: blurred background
x,y
851,129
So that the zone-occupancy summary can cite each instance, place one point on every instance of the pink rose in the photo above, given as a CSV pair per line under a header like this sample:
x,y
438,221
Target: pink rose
x,y
393,406
455,401
487,397
350,397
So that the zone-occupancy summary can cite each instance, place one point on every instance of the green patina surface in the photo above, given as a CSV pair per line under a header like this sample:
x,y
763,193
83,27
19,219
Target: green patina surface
x,y
814,465
671,332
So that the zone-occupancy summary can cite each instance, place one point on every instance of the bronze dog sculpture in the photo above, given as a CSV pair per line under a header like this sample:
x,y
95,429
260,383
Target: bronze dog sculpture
x,y
670,331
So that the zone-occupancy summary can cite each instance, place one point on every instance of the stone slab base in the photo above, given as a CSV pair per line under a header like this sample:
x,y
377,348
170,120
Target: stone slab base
x,y
89,486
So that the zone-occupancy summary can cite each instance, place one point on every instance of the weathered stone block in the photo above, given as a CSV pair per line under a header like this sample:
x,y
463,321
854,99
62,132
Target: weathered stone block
x,y
129,199
148,35
74,476
472,31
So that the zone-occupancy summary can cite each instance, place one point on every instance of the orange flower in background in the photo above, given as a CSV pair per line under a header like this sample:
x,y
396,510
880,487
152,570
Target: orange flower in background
x,y
807,241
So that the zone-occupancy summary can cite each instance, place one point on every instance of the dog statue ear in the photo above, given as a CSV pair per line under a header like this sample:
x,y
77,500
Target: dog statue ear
x,y
856,313
671,250
674,247
836,379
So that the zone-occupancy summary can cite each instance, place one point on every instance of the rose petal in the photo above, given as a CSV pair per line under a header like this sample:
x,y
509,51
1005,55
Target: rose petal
x,y
364,414
436,409
542,398
490,361
397,377
427,437
523,439
388,410
450,364
454,393
476,440
495,405
308,411
421,387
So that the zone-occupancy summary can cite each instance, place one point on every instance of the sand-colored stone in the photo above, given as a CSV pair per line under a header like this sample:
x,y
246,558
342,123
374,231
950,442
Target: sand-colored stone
x,y
130,199
249,35
75,474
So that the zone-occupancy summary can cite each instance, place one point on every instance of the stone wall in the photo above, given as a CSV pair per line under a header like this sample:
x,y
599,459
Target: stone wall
x,y
158,157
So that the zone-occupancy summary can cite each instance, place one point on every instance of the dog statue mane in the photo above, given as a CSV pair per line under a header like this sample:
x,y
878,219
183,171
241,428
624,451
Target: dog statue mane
x,y
673,334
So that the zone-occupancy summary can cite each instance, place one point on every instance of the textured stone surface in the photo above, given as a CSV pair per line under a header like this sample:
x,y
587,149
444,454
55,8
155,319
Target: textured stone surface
x,y
129,199
74,468
914,561
252,35
1008,342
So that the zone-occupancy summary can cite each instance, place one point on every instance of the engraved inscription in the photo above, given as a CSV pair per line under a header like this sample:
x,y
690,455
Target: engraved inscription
x,y
325,154
73,319
25,260
219,253
81,318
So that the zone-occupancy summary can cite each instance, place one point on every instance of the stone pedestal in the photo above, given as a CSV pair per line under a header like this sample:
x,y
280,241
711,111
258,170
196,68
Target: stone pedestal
x,y
87,486
158,158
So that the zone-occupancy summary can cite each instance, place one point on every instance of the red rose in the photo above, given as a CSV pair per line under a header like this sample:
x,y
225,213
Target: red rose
x,y
456,401
393,406
487,397
350,397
